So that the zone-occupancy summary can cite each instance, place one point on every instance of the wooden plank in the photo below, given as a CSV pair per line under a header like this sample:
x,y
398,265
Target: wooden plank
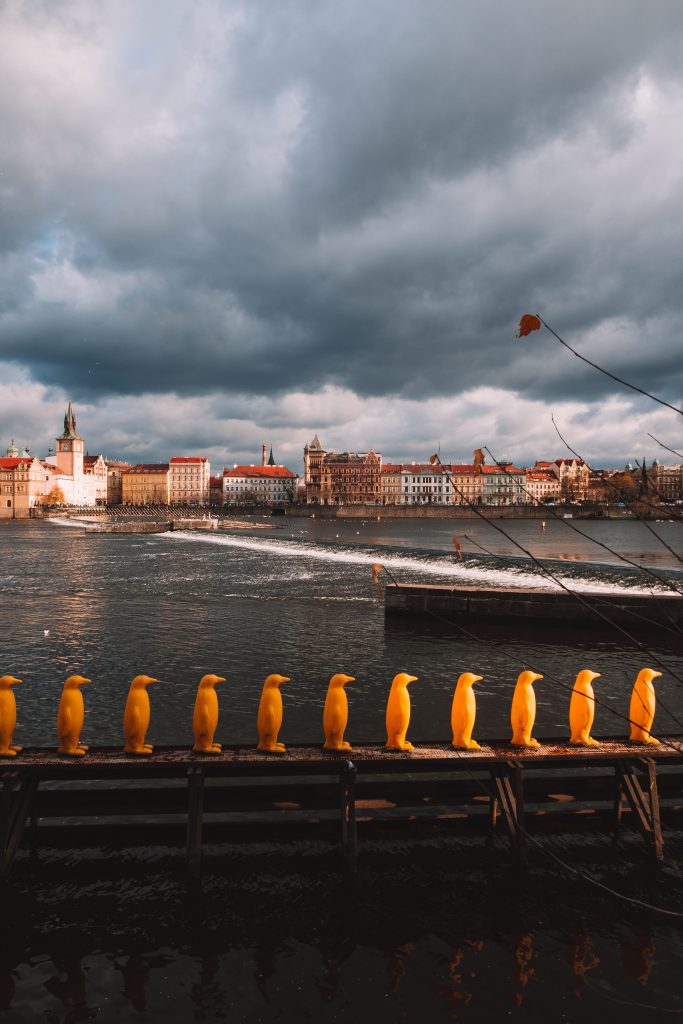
x,y
644,803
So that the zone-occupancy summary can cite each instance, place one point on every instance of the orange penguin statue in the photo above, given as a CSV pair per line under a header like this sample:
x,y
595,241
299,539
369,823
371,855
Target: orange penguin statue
x,y
205,717
336,713
523,711
642,709
70,717
464,712
398,713
8,716
136,717
582,709
270,715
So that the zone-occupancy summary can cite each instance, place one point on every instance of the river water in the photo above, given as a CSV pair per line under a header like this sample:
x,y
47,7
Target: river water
x,y
443,928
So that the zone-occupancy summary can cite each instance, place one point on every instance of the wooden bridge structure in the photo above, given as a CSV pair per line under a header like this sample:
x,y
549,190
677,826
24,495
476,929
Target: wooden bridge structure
x,y
177,796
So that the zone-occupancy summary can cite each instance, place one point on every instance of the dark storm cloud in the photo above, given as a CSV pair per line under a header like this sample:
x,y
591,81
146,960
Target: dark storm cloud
x,y
274,198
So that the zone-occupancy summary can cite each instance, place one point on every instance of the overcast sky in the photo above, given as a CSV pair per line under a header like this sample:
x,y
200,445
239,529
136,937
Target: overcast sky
x,y
228,223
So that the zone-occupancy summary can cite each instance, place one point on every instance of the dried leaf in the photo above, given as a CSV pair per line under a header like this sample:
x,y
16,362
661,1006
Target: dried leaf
x,y
528,323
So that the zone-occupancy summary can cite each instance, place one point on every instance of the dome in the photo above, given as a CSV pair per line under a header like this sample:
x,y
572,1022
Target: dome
x,y
12,450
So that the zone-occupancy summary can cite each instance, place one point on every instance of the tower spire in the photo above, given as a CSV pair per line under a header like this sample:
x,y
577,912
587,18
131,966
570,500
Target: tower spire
x,y
271,460
69,423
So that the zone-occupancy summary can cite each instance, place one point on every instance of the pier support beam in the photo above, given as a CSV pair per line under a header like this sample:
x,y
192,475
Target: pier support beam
x,y
349,838
508,795
643,801
195,813
15,807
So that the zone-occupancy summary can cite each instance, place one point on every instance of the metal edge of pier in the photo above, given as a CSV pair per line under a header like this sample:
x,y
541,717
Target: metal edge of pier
x,y
432,776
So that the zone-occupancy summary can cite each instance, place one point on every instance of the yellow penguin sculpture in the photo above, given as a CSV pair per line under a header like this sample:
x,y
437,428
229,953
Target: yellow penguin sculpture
x,y
582,709
70,717
205,717
398,713
336,713
642,709
8,716
136,717
270,715
464,711
523,711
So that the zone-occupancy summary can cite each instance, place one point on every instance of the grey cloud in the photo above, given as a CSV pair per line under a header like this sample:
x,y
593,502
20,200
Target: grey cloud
x,y
262,199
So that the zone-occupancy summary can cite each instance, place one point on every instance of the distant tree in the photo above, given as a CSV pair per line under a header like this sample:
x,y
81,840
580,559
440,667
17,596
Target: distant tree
x,y
55,497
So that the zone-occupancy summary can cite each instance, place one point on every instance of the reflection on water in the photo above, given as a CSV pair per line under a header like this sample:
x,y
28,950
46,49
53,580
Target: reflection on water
x,y
437,930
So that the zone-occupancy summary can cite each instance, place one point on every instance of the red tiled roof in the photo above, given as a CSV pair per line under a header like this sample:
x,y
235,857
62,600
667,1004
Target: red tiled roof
x,y
7,462
260,471
189,458
150,467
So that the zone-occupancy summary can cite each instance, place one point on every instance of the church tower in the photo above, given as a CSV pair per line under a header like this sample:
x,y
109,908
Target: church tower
x,y
69,459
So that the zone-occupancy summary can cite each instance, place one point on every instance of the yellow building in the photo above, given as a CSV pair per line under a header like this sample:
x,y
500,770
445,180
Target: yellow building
x,y
145,484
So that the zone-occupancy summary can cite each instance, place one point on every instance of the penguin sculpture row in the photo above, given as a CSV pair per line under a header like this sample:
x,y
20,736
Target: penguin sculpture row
x,y
335,715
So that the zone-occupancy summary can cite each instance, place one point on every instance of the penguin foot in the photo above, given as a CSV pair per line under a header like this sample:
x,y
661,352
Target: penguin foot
x,y
8,752
13,746
76,752
216,748
472,745
587,742
525,743
137,750
82,746
399,746
147,748
281,747
346,746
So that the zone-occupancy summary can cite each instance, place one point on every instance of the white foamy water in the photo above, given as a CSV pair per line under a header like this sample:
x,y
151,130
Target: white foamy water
x,y
81,524
427,570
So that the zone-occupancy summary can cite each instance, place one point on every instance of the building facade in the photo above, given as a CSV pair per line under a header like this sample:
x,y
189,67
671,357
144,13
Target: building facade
x,y
416,483
542,486
145,484
351,478
259,485
188,480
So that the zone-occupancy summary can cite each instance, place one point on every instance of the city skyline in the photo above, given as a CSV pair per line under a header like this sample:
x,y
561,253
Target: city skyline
x,y
214,233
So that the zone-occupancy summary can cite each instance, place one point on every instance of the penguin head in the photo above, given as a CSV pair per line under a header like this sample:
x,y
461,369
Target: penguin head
x,y
276,680
341,680
402,679
586,676
646,675
73,682
468,679
7,681
140,682
527,677
210,681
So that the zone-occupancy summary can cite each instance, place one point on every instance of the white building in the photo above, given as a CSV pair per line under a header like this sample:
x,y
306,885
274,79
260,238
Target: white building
x,y
246,485
416,483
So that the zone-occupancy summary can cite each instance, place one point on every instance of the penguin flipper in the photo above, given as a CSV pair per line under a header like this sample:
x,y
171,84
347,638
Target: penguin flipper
x,y
64,723
271,724
203,723
337,724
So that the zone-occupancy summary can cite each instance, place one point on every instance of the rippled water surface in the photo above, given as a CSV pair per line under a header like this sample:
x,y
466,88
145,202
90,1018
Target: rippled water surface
x,y
438,929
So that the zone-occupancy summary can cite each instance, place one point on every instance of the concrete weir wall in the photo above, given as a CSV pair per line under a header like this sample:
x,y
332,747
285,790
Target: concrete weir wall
x,y
632,611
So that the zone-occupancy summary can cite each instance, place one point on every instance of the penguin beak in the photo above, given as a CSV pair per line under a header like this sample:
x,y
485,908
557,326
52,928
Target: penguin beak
x,y
412,679
476,679
349,679
655,675
535,676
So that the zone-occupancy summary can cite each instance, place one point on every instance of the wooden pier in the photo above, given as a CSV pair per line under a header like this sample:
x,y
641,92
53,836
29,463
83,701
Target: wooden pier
x,y
108,797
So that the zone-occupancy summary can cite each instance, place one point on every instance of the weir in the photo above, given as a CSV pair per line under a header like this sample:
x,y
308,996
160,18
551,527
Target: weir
x,y
638,612
178,797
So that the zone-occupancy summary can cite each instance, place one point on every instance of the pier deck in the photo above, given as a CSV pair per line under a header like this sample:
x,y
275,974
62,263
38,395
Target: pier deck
x,y
176,795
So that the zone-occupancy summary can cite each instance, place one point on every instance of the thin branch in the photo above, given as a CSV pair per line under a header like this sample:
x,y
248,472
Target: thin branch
x,y
616,489
619,380
672,450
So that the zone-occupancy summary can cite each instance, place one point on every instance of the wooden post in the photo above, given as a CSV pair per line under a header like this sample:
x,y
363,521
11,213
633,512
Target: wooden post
x,y
643,802
15,810
195,810
509,794
348,814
